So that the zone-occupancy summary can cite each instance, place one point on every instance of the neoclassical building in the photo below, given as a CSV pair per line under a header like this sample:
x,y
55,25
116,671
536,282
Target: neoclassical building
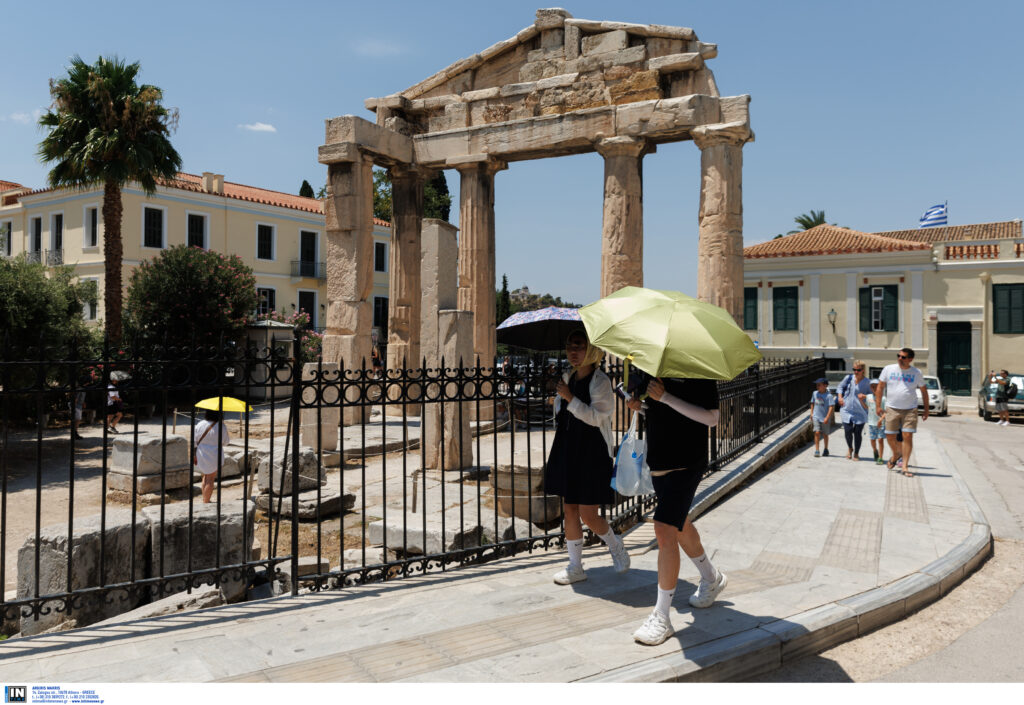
x,y
954,294
280,235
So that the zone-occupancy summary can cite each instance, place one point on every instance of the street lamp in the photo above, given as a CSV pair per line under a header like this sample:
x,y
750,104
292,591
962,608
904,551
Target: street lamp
x,y
831,316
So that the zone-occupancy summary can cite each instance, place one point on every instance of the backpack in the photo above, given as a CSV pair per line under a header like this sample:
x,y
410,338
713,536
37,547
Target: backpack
x,y
1011,391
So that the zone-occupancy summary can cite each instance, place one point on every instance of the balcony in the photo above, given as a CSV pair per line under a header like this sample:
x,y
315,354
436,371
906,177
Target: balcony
x,y
54,258
33,256
306,268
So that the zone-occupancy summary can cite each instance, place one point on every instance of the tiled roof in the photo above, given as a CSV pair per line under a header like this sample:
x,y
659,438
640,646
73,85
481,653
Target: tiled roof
x,y
9,185
829,240
1004,230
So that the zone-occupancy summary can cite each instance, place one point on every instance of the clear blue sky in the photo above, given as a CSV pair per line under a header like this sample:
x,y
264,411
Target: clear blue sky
x,y
872,111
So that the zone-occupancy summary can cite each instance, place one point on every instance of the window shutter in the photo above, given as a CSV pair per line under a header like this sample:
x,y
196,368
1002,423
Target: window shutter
x,y
890,308
865,309
750,308
1017,308
792,310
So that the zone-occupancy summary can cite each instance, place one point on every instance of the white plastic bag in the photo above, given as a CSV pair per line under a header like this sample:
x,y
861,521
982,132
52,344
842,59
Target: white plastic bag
x,y
631,476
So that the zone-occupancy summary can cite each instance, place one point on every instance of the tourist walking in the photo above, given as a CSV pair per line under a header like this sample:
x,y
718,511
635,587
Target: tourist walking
x,y
1002,382
209,451
115,407
579,467
876,426
678,414
854,391
897,383
822,410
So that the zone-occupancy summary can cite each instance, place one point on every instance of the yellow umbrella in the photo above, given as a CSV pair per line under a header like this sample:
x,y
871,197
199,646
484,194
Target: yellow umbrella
x,y
223,404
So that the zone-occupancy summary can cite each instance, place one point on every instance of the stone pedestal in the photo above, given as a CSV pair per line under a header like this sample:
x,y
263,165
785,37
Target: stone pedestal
x,y
447,435
159,463
720,249
622,225
323,391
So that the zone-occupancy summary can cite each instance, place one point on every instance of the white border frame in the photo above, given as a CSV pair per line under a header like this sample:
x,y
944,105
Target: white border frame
x,y
273,242
51,215
206,227
387,254
163,227
85,226
269,288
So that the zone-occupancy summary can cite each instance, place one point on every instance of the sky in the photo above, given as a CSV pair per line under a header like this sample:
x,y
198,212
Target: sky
x,y
871,111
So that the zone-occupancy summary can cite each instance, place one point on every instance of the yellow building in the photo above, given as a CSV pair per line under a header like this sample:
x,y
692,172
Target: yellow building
x,y
279,235
954,294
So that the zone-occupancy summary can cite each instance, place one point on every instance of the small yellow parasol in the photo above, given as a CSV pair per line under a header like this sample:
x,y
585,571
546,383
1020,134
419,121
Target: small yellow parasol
x,y
223,404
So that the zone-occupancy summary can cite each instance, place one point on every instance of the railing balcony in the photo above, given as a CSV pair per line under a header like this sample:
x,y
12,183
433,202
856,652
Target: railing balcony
x,y
307,268
54,258
34,256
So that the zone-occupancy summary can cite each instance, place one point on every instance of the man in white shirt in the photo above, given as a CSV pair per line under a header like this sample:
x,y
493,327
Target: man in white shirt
x,y
897,383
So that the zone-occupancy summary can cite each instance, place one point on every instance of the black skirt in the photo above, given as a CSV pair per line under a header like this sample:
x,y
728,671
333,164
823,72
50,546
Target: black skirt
x,y
579,468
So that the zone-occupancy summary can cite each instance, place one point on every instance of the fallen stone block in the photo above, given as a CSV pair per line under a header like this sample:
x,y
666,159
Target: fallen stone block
x,y
329,503
270,472
205,596
175,478
151,454
418,541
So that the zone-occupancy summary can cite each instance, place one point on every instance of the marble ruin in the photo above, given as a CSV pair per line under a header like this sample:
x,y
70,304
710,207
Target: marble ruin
x,y
560,86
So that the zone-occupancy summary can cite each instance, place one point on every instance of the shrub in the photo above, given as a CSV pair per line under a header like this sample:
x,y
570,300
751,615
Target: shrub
x,y
36,309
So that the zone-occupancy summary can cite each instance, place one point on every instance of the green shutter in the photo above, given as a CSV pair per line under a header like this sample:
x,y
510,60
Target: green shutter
x,y
750,308
1017,308
785,308
792,310
1008,308
890,308
865,309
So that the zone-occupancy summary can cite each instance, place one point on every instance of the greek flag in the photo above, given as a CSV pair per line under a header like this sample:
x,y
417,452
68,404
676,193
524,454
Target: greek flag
x,y
935,216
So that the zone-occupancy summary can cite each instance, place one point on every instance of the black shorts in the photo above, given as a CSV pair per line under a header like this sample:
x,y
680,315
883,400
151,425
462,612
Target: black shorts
x,y
675,492
114,407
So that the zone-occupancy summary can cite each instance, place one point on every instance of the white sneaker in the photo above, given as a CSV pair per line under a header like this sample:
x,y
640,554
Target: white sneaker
x,y
620,558
708,591
655,630
571,574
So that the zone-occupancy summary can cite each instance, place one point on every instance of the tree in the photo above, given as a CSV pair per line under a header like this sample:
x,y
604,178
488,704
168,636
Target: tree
x,y
382,194
36,308
104,128
188,294
806,221
437,203
306,191
503,303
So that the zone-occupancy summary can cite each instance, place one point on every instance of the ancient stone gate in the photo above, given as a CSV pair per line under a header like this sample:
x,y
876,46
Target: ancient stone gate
x,y
560,86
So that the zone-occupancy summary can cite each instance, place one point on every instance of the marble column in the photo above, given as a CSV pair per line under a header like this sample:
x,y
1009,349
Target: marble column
x,y
720,249
622,225
477,274
404,293
348,210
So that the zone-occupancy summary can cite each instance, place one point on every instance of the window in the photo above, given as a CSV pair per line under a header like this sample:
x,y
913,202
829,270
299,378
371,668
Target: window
x,y
36,239
91,222
152,227
266,300
5,238
264,242
784,299
57,231
91,308
879,308
750,308
380,257
196,230
1008,308
380,313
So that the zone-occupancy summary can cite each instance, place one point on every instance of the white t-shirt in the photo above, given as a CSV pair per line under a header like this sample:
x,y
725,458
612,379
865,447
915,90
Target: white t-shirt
x,y
900,385
206,452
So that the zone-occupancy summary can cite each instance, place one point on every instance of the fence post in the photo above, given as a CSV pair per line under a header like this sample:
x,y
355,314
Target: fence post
x,y
294,418
759,436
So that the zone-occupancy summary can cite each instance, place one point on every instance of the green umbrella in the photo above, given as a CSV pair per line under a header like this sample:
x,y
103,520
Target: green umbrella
x,y
668,334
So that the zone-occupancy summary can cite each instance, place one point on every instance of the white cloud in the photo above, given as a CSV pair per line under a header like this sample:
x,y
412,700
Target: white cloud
x,y
26,118
258,127
378,47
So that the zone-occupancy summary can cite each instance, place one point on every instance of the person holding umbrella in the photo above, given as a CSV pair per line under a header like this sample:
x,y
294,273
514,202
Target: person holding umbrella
x,y
579,467
208,453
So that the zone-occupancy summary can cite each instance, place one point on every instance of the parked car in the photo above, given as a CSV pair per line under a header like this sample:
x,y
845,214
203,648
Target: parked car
x,y
987,399
937,402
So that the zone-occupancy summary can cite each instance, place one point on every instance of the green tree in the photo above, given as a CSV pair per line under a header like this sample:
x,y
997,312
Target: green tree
x,y
806,221
306,191
188,294
503,302
39,308
104,128
382,194
437,202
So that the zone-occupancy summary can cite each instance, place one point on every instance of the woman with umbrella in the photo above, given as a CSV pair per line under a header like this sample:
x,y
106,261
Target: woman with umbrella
x,y
209,450
579,467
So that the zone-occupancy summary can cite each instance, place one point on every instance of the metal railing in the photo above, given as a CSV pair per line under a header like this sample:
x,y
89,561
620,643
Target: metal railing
x,y
307,268
400,473
54,258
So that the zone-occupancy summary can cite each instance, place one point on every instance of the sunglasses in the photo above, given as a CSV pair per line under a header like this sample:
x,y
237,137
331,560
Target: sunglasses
x,y
904,357
858,369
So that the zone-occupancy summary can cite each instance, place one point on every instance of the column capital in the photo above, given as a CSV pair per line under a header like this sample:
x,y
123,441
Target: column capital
x,y
730,133
477,162
622,147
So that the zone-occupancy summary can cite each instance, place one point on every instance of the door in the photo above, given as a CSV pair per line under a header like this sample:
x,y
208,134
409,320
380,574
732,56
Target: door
x,y
954,363
307,255
307,303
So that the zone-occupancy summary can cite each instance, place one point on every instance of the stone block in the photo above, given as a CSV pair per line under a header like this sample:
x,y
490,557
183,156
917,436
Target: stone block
x,y
572,42
345,317
676,62
370,137
350,265
320,425
329,503
84,550
661,46
269,473
175,478
152,453
638,86
200,598
553,40
183,541
451,448
553,54
536,508
482,94
438,279
605,42
550,17
432,541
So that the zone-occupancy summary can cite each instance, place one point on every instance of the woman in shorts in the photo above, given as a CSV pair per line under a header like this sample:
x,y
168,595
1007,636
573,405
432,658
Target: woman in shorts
x,y
209,451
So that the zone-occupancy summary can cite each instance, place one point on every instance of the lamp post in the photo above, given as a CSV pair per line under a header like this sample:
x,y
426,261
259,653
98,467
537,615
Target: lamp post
x,y
831,316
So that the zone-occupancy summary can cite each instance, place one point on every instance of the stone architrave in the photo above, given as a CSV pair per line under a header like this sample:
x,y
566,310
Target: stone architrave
x,y
320,388
404,293
622,227
477,275
720,248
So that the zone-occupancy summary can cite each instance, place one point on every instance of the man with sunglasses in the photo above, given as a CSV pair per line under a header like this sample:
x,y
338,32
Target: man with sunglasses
x,y
897,383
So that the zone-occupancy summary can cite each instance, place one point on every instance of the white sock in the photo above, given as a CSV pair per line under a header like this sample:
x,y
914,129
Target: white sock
x,y
707,571
575,547
664,603
610,539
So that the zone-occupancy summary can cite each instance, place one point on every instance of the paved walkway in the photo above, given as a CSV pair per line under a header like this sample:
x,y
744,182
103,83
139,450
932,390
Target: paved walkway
x,y
817,551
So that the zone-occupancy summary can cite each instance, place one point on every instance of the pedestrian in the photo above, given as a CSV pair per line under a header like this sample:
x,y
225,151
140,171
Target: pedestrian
x,y
677,414
898,382
77,407
579,467
115,407
876,427
1002,382
208,455
854,391
823,407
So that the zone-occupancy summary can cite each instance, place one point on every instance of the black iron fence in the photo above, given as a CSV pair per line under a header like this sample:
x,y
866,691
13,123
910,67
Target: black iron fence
x,y
356,476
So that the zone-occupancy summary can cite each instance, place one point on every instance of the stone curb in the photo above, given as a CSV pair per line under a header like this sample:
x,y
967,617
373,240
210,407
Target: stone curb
x,y
766,647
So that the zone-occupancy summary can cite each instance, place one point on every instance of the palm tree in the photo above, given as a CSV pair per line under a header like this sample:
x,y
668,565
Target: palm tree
x,y
806,221
106,129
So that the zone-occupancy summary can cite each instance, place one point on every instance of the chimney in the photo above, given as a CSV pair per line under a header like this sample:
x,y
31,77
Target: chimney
x,y
213,183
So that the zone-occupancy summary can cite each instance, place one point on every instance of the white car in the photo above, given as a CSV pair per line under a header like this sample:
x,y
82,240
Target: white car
x,y
937,403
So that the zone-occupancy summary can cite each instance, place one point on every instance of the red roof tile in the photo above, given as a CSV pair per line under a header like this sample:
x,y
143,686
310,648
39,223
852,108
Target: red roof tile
x,y
829,240
1003,230
9,186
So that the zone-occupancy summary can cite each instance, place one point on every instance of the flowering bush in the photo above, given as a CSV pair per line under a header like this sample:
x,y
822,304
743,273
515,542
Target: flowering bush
x,y
311,341
188,294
